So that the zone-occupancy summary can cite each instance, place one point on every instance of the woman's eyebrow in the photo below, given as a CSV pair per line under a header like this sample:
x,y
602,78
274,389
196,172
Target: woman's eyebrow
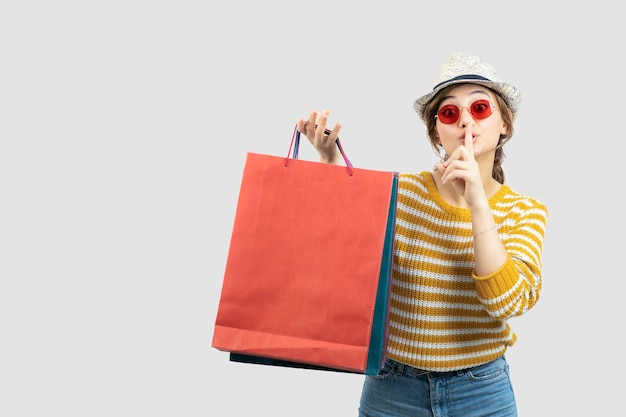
x,y
479,92
473,92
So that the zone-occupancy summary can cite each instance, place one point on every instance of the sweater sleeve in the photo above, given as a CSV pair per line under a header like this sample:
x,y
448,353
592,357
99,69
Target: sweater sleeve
x,y
516,287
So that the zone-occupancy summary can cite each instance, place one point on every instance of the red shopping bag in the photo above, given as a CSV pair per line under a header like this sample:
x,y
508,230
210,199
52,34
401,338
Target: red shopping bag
x,y
306,282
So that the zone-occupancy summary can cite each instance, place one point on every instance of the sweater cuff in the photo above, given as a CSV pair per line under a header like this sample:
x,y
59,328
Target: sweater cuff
x,y
493,285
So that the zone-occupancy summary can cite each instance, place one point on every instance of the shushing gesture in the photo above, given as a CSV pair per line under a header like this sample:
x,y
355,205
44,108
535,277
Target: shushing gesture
x,y
462,170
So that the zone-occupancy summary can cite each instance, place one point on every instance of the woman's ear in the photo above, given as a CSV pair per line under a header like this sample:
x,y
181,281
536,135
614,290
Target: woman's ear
x,y
506,128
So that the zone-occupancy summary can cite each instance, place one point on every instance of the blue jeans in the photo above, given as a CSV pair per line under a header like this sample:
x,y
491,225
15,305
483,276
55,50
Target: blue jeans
x,y
403,391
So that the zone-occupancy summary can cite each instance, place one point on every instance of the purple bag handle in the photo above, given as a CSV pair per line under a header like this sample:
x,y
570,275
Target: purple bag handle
x,y
295,145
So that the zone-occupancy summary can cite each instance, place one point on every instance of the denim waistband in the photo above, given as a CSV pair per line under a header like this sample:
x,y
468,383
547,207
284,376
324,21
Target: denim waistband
x,y
404,369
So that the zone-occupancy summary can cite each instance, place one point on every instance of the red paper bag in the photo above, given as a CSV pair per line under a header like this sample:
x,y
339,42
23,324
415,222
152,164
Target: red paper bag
x,y
309,247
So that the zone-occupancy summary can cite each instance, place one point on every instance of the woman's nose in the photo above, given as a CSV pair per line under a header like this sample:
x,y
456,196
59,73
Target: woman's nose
x,y
466,117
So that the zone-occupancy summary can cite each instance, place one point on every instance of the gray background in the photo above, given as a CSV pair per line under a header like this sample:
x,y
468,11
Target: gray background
x,y
123,132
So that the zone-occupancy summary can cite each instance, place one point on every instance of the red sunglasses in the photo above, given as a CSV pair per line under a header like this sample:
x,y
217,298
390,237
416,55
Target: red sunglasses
x,y
480,109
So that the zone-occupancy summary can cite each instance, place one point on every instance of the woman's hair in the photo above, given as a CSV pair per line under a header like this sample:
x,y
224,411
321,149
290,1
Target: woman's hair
x,y
431,128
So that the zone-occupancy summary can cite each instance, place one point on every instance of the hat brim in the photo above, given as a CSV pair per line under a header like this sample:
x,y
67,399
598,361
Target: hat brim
x,y
508,92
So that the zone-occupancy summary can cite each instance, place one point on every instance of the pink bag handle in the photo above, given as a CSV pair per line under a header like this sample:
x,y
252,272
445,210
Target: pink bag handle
x,y
295,145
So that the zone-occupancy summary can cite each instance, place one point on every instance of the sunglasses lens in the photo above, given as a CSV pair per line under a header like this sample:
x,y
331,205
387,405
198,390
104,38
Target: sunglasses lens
x,y
481,109
448,114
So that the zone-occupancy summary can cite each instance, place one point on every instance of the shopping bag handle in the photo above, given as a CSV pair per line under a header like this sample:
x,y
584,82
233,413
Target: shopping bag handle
x,y
295,145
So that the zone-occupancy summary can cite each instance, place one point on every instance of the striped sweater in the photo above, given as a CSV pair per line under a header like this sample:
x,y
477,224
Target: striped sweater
x,y
442,317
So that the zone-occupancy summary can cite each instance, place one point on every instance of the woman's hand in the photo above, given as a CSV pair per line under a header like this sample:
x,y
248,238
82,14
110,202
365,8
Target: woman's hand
x,y
314,129
463,172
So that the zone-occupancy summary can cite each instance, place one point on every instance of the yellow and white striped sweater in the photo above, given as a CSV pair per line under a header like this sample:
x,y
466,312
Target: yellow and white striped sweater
x,y
442,317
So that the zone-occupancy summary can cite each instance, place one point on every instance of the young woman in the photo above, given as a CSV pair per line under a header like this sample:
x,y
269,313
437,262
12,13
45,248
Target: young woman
x,y
467,254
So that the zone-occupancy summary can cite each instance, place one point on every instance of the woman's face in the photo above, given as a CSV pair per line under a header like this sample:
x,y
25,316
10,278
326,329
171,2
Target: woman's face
x,y
470,106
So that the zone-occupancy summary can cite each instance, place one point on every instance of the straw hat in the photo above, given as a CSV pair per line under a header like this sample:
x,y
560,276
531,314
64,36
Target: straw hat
x,y
461,68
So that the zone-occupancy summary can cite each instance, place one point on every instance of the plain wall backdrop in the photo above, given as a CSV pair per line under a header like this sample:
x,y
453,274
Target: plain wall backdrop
x,y
124,127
